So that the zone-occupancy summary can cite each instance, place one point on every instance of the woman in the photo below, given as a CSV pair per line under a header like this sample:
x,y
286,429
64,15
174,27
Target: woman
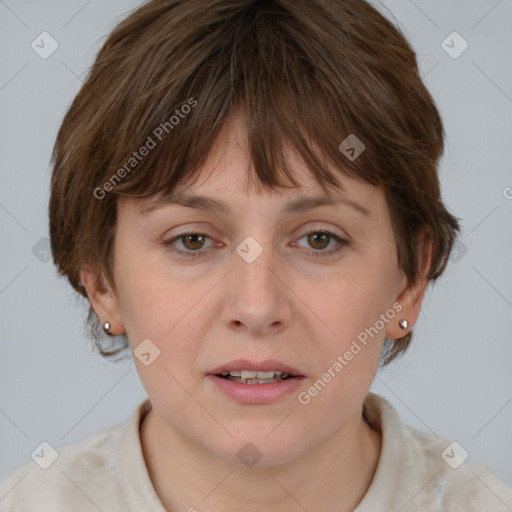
x,y
247,194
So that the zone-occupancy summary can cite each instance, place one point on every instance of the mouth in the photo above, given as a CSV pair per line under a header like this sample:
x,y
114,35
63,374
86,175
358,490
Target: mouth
x,y
254,377
249,382
251,372
256,382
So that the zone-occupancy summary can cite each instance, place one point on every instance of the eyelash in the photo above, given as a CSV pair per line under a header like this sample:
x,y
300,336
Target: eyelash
x,y
316,254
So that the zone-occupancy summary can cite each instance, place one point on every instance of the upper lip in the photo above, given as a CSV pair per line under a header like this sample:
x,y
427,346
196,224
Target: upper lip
x,y
256,366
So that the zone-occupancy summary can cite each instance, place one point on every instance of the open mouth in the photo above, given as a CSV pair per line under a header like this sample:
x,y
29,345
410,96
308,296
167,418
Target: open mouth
x,y
253,377
251,382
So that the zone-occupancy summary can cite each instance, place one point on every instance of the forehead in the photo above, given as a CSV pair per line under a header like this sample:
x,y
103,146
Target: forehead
x,y
227,182
217,205
230,165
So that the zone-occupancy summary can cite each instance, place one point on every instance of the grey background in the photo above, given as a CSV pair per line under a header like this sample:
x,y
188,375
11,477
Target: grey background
x,y
456,380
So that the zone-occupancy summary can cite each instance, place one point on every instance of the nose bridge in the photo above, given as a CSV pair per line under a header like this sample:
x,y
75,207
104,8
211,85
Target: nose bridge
x,y
254,261
257,295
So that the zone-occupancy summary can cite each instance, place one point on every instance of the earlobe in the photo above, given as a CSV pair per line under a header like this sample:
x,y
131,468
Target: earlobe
x,y
102,299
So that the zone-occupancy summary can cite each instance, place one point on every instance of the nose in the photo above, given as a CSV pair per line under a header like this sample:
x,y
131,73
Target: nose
x,y
258,300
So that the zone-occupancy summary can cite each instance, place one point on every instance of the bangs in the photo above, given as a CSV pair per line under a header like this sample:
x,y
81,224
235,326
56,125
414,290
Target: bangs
x,y
259,63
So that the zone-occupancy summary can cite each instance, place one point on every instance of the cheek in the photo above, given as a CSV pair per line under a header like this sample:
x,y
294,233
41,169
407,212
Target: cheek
x,y
349,356
351,305
165,306
354,299
144,300
142,304
144,289
156,310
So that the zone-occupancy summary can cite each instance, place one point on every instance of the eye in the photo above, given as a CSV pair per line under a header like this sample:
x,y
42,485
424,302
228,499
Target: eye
x,y
319,239
193,242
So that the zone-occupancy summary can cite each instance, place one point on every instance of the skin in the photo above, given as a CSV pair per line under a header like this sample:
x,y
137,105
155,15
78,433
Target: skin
x,y
286,305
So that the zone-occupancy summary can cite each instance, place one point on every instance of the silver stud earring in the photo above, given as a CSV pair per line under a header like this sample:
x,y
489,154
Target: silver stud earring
x,y
106,328
403,324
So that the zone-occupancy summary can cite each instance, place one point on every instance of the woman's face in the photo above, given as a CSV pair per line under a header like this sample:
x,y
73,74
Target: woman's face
x,y
256,286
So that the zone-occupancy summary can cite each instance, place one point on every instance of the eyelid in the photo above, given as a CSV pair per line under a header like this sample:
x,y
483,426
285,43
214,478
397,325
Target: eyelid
x,y
341,242
193,230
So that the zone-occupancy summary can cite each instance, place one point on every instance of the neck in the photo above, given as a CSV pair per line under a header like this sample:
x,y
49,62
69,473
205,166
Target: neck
x,y
186,476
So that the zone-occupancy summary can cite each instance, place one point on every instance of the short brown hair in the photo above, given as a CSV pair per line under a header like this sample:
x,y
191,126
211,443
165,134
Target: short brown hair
x,y
302,72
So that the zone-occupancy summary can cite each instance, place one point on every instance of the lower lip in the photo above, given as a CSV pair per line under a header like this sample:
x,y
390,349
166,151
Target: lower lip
x,y
256,393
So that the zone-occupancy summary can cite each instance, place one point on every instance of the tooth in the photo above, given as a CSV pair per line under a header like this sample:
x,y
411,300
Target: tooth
x,y
269,376
265,375
255,380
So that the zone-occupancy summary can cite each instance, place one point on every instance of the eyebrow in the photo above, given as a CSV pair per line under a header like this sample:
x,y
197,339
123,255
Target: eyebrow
x,y
209,204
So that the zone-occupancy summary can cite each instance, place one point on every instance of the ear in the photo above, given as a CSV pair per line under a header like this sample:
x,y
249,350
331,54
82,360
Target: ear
x,y
102,298
410,295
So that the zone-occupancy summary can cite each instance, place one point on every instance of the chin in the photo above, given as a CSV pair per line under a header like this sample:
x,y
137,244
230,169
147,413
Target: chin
x,y
256,451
